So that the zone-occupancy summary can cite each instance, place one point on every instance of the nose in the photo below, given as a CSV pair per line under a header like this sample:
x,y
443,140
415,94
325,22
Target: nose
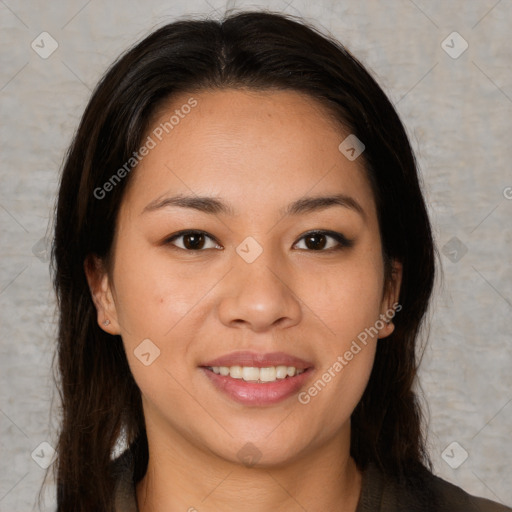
x,y
259,296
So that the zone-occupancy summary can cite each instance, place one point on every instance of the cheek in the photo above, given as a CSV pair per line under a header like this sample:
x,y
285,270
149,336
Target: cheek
x,y
153,304
334,393
348,298
159,302
346,303
152,294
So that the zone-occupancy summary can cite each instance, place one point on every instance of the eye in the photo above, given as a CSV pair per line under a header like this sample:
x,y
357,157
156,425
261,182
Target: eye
x,y
192,240
319,241
195,240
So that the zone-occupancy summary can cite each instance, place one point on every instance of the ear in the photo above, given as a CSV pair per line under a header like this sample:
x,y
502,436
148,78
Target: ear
x,y
390,304
101,293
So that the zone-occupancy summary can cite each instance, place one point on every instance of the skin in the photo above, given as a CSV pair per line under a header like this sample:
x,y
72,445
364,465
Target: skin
x,y
258,152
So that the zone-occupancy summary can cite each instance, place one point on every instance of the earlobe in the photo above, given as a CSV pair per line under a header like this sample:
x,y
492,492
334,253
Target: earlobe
x,y
387,328
101,293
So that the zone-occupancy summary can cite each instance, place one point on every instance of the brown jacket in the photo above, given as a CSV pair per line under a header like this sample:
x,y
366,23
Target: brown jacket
x,y
424,493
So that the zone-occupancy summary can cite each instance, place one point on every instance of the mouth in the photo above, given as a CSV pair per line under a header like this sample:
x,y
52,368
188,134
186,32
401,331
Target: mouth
x,y
245,358
260,375
257,379
253,386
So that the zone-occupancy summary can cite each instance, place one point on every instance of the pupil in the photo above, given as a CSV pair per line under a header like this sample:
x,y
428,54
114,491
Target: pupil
x,y
193,241
310,241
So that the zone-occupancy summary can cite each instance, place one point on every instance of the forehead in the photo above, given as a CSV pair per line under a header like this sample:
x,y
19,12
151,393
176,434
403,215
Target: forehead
x,y
249,144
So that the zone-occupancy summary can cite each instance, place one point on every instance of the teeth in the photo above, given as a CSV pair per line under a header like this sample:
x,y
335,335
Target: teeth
x,y
253,374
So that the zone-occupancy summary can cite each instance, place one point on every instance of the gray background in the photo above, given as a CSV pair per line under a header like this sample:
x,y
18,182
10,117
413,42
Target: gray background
x,y
457,112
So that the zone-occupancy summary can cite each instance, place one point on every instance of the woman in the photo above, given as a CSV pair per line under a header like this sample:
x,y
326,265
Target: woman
x,y
243,260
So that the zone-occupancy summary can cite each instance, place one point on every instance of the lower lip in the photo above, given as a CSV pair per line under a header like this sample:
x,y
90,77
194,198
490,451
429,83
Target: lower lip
x,y
253,393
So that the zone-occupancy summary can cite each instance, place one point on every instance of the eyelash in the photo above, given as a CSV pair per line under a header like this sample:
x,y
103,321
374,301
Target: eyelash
x,y
343,242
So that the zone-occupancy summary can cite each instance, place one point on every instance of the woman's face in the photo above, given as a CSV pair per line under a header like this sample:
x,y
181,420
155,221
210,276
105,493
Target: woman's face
x,y
249,169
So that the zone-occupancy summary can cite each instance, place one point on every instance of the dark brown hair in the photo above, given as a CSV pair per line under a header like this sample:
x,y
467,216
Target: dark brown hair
x,y
253,50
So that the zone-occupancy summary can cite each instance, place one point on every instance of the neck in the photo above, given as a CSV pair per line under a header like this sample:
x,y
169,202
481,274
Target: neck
x,y
183,477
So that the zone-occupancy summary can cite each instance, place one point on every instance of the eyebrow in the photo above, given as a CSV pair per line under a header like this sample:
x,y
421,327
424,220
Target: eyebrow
x,y
214,206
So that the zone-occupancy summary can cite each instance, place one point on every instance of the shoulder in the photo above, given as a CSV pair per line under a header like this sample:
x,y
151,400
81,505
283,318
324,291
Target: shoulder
x,y
453,498
421,491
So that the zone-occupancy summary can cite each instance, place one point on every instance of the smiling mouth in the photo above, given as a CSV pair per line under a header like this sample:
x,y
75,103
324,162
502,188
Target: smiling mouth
x,y
257,375
258,386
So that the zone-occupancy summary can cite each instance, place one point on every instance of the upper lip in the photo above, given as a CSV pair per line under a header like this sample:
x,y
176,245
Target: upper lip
x,y
259,360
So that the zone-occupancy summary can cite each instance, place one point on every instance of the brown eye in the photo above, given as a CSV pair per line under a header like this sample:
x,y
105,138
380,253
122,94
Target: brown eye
x,y
322,241
192,241
315,241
